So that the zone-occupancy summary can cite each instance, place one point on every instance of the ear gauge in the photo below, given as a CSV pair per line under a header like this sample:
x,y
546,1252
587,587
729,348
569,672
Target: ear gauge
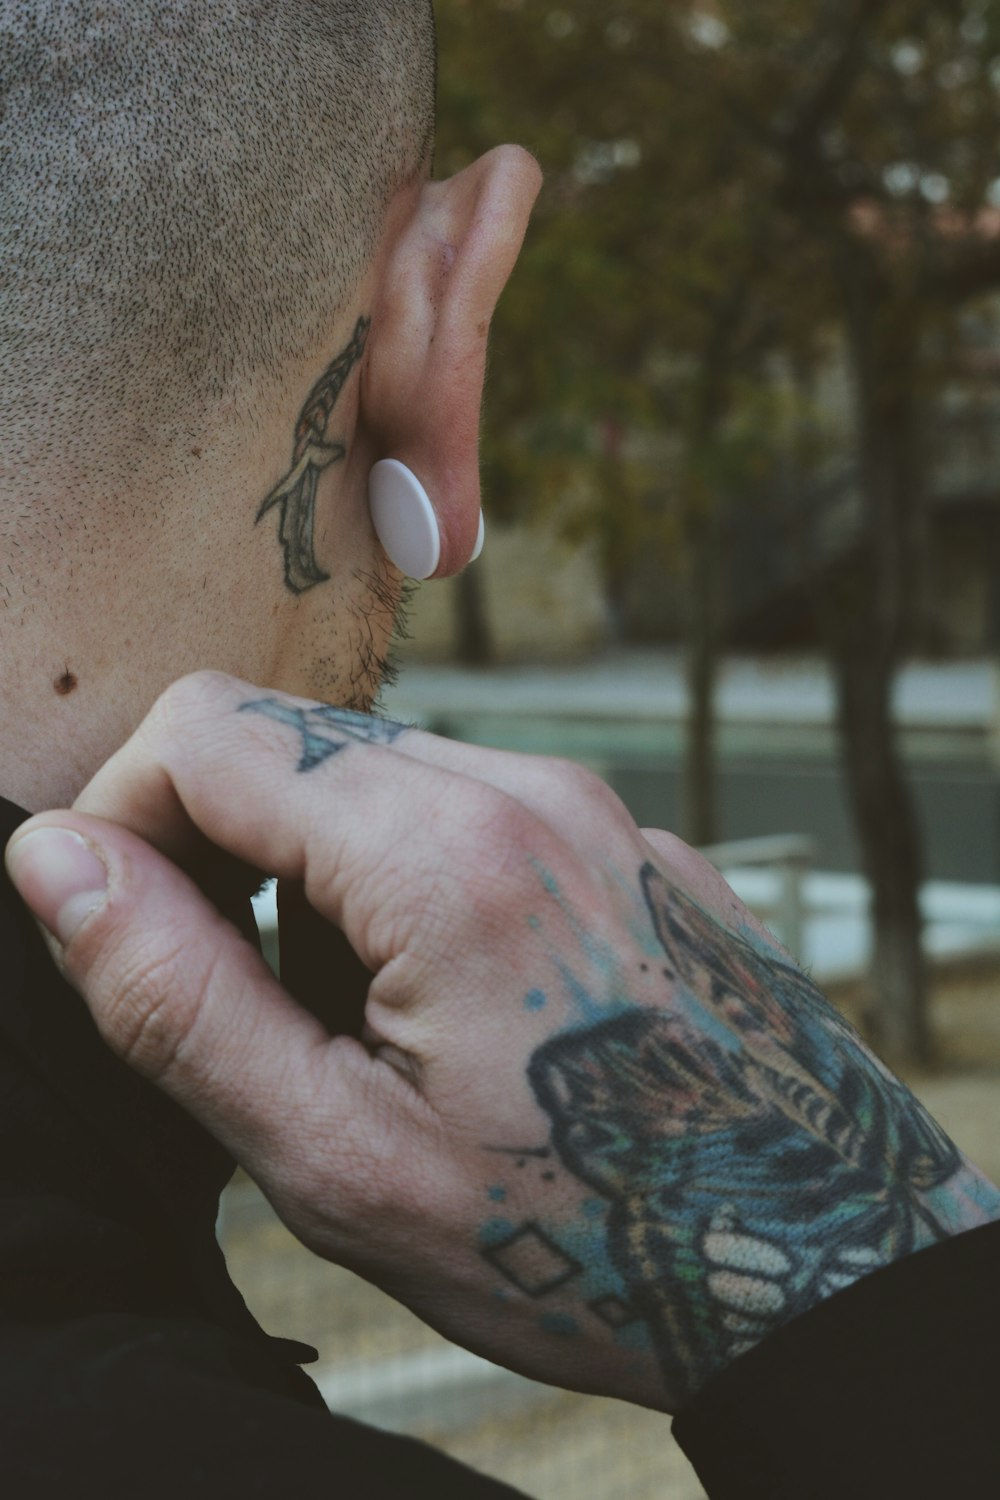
x,y
405,522
480,539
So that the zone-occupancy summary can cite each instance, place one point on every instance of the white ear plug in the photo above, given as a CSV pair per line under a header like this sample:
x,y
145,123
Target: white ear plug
x,y
480,539
405,522
404,519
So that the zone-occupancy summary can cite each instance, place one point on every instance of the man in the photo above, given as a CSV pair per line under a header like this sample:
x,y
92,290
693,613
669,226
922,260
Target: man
x,y
223,262
595,1124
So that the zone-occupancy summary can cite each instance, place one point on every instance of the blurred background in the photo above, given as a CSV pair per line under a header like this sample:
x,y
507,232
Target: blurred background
x,y
742,482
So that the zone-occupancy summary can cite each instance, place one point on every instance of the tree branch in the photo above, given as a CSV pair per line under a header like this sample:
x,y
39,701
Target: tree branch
x,y
828,97
796,143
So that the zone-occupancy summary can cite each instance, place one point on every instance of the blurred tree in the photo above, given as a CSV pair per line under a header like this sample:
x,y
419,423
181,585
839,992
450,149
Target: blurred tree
x,y
725,180
472,628
638,305
883,117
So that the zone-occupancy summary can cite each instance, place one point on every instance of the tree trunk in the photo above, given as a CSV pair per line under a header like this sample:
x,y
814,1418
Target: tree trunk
x,y
700,780
888,832
473,637
868,615
700,784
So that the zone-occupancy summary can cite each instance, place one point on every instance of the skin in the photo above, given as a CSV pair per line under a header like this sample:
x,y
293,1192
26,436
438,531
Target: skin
x,y
597,1125
195,575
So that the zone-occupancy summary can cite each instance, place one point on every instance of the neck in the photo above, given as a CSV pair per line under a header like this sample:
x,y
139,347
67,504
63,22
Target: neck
x,y
88,650
107,609
124,585
64,709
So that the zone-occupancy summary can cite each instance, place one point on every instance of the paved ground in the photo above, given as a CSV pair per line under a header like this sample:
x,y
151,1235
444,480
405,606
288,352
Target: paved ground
x,y
568,1447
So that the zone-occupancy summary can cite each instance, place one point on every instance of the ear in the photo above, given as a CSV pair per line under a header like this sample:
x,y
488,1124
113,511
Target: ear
x,y
422,384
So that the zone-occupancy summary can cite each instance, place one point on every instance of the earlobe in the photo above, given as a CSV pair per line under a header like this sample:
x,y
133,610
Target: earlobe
x,y
423,383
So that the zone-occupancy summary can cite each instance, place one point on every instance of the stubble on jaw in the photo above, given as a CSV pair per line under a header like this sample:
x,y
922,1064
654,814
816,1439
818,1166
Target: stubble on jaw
x,y
371,625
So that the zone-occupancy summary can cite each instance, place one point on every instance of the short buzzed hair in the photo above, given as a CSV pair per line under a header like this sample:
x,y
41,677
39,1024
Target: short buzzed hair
x,y
190,192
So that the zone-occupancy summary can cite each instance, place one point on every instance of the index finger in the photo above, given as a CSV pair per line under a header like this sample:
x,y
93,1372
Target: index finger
x,y
315,793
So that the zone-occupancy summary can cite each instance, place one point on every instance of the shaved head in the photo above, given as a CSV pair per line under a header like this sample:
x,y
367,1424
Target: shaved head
x,y
191,191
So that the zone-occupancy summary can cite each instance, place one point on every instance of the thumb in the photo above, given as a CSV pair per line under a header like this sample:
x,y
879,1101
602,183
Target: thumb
x,y
179,994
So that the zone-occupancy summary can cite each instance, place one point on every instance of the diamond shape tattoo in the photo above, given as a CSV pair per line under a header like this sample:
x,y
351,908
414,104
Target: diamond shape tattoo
x,y
532,1261
613,1311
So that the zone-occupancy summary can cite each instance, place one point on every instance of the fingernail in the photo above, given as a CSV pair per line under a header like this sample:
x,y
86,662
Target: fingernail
x,y
59,876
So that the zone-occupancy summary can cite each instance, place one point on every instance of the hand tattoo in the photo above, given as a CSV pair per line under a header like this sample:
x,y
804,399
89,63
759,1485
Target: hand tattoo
x,y
747,1154
326,730
312,453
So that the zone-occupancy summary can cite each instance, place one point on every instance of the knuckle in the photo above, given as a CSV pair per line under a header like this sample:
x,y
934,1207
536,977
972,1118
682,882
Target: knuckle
x,y
152,1010
498,819
571,774
498,841
169,710
504,843
469,873
465,868
574,795
174,698
187,696
589,788
690,864
184,722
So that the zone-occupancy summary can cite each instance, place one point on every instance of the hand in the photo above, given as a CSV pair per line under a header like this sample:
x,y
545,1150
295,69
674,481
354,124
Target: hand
x,y
598,1126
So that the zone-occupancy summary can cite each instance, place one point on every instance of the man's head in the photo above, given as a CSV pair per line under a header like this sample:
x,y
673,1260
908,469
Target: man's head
x,y
231,289
193,191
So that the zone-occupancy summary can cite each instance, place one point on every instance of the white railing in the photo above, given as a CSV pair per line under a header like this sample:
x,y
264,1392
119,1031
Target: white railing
x,y
790,856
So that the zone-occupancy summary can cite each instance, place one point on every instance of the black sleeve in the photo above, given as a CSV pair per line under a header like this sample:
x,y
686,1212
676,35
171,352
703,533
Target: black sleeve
x,y
890,1390
120,1407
